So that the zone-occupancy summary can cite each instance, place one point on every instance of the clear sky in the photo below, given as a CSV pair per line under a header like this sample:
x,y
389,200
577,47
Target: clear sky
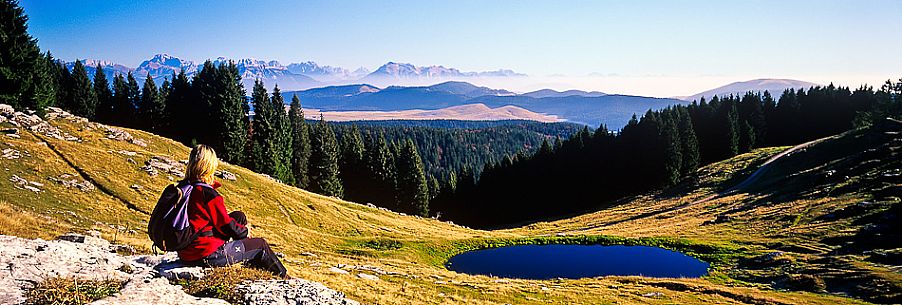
x,y
658,48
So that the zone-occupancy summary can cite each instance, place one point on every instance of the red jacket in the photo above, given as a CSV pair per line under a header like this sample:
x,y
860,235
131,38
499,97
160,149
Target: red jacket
x,y
207,212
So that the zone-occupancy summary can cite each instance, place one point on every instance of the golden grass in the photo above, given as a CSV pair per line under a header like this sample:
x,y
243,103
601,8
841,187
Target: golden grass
x,y
220,282
70,291
299,223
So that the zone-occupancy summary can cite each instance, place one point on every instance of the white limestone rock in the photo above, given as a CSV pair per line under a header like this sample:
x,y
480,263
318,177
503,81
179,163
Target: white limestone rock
x,y
291,292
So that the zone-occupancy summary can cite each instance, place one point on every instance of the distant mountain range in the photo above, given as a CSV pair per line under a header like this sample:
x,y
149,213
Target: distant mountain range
x,y
396,87
296,76
552,93
468,112
401,73
591,108
774,86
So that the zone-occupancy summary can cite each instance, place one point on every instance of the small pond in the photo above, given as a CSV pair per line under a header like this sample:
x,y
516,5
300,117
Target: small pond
x,y
576,261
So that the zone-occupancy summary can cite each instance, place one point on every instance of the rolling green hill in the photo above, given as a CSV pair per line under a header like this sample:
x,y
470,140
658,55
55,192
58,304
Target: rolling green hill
x,y
68,174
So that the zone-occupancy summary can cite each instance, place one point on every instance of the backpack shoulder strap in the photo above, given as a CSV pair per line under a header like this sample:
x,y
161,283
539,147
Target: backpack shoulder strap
x,y
208,190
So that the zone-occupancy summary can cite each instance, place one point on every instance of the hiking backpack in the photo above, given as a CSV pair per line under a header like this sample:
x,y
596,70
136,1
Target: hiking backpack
x,y
169,228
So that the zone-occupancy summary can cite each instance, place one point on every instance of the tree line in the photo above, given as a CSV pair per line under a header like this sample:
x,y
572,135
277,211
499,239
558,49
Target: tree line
x,y
661,149
448,147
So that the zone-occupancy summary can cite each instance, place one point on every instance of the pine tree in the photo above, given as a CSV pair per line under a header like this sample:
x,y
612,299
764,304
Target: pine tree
x,y
271,148
751,110
44,93
61,80
434,188
153,107
689,141
121,102
352,167
129,115
177,108
730,129
746,137
105,108
544,149
324,162
24,78
673,155
300,142
413,192
220,106
262,158
82,99
380,164
282,138
231,113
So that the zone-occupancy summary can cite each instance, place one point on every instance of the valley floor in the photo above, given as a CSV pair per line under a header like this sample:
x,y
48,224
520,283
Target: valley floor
x,y
73,175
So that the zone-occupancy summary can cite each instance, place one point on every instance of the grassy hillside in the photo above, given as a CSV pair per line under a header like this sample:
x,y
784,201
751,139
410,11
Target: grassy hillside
x,y
39,198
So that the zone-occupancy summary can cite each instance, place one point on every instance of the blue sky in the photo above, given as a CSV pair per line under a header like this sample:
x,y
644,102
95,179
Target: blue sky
x,y
651,47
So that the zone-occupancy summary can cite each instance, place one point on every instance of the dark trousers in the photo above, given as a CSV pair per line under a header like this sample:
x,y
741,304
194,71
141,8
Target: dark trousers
x,y
253,251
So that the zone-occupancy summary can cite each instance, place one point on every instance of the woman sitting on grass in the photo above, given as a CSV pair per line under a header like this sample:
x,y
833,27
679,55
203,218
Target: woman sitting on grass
x,y
207,214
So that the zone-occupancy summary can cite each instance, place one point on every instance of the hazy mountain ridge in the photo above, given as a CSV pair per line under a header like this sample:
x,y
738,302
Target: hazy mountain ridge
x,y
326,73
772,85
468,112
554,93
612,110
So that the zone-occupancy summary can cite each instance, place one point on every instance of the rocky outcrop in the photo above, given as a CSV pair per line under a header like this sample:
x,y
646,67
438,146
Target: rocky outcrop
x,y
291,292
35,124
25,263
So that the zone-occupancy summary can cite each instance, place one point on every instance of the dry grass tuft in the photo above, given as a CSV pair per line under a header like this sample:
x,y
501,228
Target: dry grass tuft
x,y
220,282
66,291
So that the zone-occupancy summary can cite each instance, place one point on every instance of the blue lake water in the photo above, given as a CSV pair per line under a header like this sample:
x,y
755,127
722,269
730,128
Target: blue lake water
x,y
576,261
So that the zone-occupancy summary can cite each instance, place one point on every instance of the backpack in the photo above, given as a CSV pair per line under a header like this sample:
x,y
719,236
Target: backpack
x,y
168,227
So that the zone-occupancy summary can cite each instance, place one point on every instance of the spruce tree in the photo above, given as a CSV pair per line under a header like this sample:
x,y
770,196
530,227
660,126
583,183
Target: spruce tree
x,y
324,162
673,155
230,111
177,108
689,141
751,110
24,76
434,188
544,149
105,108
262,158
380,164
121,102
44,92
352,166
61,80
746,137
282,138
129,115
729,127
300,143
153,107
217,102
413,192
82,99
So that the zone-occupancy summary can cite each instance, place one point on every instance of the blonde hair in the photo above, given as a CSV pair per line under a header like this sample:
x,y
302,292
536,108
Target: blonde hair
x,y
202,164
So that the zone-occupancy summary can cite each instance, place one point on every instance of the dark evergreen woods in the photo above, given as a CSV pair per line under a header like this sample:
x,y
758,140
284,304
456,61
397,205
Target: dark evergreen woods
x,y
660,149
